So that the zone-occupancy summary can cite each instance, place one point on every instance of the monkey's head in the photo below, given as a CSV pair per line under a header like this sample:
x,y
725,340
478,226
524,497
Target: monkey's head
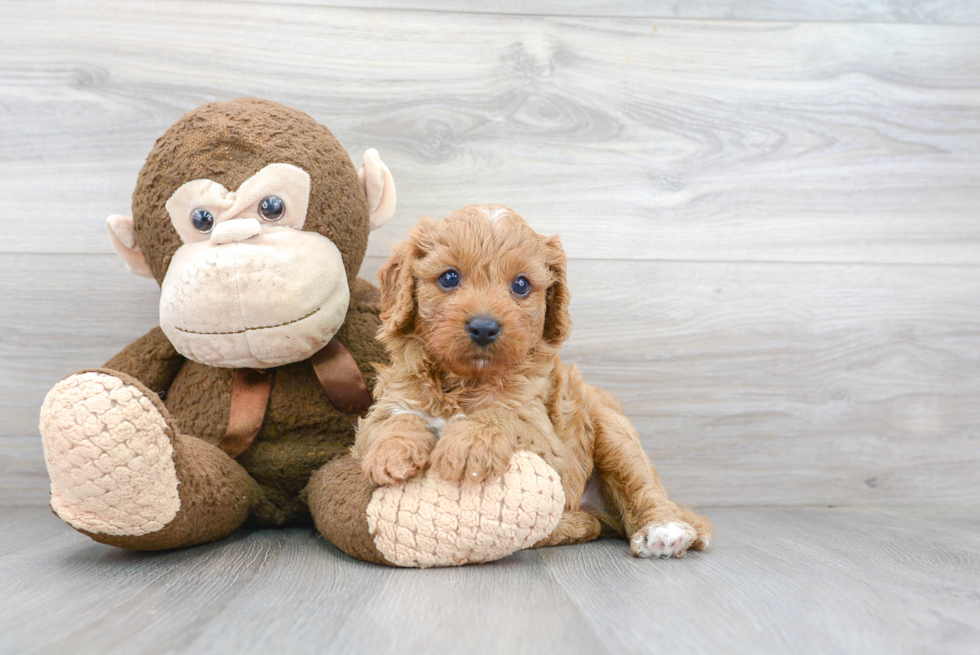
x,y
254,222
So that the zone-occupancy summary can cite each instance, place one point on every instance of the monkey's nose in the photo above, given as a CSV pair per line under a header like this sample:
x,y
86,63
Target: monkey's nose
x,y
483,330
237,229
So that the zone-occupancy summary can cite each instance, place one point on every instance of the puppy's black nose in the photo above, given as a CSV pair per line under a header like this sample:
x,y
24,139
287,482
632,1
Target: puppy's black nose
x,y
483,330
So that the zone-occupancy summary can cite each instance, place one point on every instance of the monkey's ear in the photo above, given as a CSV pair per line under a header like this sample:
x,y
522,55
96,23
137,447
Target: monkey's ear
x,y
123,238
378,187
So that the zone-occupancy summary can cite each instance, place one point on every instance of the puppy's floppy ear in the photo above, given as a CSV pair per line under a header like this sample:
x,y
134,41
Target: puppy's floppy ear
x,y
557,322
397,282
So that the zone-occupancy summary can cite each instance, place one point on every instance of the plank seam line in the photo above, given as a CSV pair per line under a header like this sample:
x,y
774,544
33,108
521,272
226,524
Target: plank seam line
x,y
623,17
650,260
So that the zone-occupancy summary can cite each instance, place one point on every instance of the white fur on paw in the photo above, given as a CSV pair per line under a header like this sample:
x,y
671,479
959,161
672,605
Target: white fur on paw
x,y
109,456
663,540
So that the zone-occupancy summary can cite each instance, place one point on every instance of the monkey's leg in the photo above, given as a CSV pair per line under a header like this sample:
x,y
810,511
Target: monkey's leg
x,y
338,495
657,527
428,521
121,474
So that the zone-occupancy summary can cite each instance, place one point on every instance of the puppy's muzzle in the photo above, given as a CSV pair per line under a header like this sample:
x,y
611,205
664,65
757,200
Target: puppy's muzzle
x,y
483,330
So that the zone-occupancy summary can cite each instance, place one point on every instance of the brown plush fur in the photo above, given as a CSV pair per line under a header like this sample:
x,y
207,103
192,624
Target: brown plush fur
x,y
513,394
227,142
301,431
339,498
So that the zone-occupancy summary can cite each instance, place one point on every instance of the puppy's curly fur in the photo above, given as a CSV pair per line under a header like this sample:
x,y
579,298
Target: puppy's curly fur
x,y
463,408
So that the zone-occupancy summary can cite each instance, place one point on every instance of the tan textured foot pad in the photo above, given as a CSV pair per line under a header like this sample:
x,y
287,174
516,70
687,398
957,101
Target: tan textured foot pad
x,y
430,522
109,456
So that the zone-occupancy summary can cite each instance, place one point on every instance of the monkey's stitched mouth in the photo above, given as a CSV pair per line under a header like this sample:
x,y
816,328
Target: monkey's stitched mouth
x,y
250,329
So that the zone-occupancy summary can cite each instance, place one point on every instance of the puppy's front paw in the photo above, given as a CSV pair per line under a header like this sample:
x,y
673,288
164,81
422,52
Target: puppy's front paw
x,y
663,540
394,459
468,452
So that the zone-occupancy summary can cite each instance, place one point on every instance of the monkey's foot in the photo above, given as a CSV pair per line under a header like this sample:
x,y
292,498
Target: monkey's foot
x,y
428,521
109,451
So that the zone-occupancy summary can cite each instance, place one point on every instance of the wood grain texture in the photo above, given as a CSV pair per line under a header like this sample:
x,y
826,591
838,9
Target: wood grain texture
x,y
633,138
800,580
956,12
750,384
25,526
774,246
23,477
776,580
772,225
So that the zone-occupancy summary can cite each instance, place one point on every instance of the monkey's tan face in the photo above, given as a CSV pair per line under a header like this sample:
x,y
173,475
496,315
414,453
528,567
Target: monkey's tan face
x,y
249,287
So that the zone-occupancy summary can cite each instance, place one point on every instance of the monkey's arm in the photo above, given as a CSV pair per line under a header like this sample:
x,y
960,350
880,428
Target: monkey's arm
x,y
151,359
360,326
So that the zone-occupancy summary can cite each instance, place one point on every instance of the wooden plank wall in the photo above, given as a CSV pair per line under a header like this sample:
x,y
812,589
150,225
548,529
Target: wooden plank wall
x,y
771,209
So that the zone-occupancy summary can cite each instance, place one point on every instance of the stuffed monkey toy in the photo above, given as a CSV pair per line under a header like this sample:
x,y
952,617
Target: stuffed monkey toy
x,y
254,222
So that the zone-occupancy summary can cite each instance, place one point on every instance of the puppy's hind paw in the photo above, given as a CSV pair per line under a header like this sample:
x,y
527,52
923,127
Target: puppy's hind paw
x,y
663,540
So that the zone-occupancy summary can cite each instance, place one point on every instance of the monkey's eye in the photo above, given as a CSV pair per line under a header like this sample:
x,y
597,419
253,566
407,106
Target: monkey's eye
x,y
272,208
449,280
520,286
203,220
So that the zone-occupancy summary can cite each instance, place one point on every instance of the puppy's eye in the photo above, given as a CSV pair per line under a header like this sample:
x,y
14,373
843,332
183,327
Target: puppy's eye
x,y
271,208
520,286
449,280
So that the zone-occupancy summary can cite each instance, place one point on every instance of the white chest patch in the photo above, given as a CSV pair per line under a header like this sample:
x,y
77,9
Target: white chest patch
x,y
434,424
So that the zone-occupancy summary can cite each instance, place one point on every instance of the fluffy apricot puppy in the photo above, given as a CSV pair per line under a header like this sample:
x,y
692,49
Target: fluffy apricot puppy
x,y
474,311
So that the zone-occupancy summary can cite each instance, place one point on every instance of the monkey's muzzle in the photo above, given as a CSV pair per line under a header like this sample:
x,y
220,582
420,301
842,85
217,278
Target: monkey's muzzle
x,y
266,300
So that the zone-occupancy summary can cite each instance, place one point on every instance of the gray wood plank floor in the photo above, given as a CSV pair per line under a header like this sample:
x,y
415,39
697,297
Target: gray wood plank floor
x,y
777,580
